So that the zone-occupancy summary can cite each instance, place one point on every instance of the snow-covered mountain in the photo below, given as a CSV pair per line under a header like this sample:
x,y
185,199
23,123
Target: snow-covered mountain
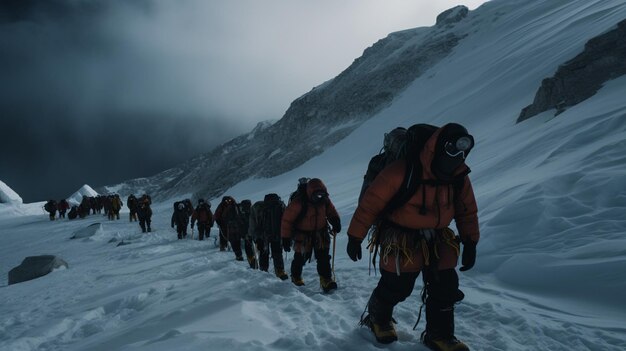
x,y
77,196
551,191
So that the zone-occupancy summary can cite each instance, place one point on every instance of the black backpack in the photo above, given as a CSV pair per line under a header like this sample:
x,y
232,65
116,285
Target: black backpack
x,y
301,194
206,208
416,137
50,206
273,209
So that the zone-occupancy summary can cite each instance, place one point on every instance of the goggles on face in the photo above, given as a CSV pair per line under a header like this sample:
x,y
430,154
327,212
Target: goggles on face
x,y
319,195
460,146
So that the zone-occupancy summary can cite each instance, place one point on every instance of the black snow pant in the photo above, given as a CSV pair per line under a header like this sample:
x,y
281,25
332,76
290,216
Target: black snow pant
x,y
223,239
144,223
53,215
235,244
322,257
181,230
276,249
203,230
62,214
442,293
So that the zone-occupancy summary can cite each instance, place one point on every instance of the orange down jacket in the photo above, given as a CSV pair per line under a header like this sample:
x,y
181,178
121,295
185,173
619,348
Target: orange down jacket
x,y
313,220
439,202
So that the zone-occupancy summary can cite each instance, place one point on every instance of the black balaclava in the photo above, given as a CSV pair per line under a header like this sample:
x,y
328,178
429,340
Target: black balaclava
x,y
448,158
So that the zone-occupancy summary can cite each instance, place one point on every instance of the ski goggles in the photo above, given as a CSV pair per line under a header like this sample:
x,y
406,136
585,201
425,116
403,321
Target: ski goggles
x,y
460,146
319,195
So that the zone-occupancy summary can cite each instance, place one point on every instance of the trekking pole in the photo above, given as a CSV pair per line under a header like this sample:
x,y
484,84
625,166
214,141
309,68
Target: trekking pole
x,y
256,254
332,269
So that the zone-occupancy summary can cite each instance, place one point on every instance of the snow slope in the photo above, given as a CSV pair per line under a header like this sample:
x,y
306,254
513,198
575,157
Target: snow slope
x,y
551,267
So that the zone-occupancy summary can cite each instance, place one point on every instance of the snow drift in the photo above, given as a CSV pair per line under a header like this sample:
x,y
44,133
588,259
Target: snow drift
x,y
7,195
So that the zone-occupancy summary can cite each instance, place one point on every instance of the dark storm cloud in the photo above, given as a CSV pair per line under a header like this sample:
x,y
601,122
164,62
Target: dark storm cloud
x,y
83,99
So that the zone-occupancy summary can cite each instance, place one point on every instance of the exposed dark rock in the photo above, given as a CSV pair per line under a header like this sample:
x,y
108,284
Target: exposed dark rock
x,y
453,15
33,267
603,59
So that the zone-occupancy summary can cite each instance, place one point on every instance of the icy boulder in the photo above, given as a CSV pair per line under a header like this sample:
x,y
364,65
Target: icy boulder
x,y
8,196
34,267
77,197
87,232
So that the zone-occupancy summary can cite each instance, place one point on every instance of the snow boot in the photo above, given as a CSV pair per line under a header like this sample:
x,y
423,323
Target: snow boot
x,y
280,273
444,344
297,280
252,262
439,333
239,258
380,321
327,284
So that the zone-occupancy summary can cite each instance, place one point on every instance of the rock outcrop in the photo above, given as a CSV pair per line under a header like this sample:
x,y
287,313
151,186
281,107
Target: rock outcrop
x,y
33,267
603,59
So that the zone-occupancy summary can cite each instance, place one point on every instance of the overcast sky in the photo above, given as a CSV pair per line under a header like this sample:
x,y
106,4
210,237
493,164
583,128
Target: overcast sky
x,y
99,91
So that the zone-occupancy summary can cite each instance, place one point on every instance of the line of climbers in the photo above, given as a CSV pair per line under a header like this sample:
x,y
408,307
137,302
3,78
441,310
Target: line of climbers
x,y
111,205
268,227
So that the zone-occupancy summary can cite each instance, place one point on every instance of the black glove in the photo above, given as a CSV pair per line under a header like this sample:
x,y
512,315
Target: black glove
x,y
469,256
336,223
287,244
354,248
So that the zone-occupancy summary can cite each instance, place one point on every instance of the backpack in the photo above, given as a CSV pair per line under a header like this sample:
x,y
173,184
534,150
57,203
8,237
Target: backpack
x,y
203,208
243,213
273,209
301,194
410,149
50,206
